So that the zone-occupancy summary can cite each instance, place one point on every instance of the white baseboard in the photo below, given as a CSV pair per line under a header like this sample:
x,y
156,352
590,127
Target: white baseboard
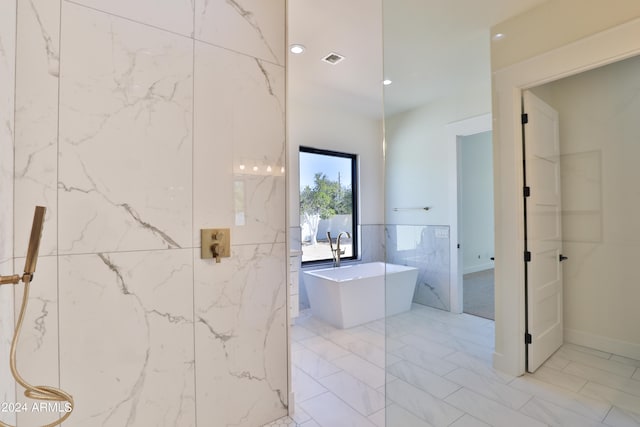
x,y
606,344
476,268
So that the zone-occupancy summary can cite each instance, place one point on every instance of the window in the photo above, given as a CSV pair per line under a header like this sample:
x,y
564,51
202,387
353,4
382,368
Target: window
x,y
328,197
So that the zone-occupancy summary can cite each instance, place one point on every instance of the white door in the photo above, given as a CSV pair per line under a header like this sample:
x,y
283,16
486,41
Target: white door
x,y
544,231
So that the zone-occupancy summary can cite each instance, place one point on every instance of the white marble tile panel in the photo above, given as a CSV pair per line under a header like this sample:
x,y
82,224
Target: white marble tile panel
x,y
365,371
597,362
354,392
554,415
324,348
614,396
311,423
36,153
7,384
175,15
422,404
620,418
494,390
427,361
591,408
560,378
423,379
628,385
7,109
239,146
241,327
37,352
126,95
253,27
557,362
490,411
398,416
126,337
328,410
304,386
369,335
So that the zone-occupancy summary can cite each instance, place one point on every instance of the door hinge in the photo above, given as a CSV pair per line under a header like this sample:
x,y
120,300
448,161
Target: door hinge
x,y
525,118
527,191
527,338
527,256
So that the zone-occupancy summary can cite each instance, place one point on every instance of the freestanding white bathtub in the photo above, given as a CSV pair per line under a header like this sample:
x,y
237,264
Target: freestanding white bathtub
x,y
354,294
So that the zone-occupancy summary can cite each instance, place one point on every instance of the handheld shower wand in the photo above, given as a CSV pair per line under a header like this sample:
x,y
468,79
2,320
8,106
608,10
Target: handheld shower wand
x,y
41,392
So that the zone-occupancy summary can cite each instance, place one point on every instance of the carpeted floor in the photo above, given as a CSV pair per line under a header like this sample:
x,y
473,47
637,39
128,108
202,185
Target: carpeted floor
x,y
478,294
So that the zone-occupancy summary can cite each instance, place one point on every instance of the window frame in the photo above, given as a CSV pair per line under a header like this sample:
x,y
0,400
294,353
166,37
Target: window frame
x,y
354,195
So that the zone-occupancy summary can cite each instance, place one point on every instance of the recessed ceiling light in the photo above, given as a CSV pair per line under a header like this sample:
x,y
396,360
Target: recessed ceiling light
x,y
386,82
498,36
296,49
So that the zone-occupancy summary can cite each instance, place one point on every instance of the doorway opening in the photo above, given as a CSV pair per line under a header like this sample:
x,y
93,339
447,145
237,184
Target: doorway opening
x,y
476,224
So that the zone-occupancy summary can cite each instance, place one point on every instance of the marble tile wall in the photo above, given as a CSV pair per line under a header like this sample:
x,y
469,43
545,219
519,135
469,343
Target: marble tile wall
x,y
427,248
132,123
7,99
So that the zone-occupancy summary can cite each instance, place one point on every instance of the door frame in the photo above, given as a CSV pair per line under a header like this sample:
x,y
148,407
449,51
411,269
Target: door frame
x,y
612,45
455,131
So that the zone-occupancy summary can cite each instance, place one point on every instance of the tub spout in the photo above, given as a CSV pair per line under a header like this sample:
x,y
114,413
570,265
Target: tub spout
x,y
338,252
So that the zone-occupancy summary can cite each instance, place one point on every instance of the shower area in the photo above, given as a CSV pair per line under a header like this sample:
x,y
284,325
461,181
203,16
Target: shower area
x,y
128,122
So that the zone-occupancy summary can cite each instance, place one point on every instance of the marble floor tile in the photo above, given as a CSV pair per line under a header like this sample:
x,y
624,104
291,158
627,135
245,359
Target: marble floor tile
x,y
612,395
354,392
379,418
329,411
324,348
427,361
579,403
422,404
423,379
299,333
436,376
490,411
491,389
620,418
559,378
397,416
554,415
468,421
628,385
597,362
312,364
365,371
304,386
282,422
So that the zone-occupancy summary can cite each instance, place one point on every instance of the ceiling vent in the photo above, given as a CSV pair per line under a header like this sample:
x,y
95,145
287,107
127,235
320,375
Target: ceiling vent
x,y
333,58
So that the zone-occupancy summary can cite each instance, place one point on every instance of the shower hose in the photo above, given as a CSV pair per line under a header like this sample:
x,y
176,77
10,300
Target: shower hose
x,y
40,392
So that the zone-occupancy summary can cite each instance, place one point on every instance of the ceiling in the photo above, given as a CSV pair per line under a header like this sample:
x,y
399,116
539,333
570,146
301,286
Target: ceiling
x,y
432,49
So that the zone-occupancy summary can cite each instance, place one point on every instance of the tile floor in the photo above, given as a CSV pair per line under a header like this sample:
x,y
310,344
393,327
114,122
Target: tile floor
x,y
439,374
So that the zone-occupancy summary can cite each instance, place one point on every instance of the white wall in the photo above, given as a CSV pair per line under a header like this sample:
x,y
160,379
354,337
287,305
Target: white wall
x,y
556,23
476,202
7,99
599,130
419,164
338,130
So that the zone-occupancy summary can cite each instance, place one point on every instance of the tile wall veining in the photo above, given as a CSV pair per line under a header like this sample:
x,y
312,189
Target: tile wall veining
x,y
427,248
7,94
131,132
